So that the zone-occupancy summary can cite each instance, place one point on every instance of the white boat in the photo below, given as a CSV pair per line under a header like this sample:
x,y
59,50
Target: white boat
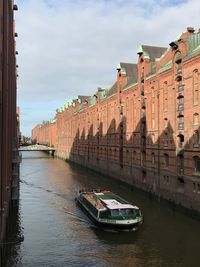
x,y
109,210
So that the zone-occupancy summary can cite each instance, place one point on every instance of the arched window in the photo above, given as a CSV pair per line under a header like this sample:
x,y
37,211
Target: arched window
x,y
195,87
196,119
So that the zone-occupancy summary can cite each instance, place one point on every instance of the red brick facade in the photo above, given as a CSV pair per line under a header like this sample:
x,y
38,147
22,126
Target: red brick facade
x,y
144,130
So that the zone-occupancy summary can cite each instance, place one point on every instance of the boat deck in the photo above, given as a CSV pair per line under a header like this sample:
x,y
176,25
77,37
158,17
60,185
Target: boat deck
x,y
95,201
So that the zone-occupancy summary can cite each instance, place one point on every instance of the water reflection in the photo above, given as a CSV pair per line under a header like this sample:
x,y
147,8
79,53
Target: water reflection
x,y
58,233
10,249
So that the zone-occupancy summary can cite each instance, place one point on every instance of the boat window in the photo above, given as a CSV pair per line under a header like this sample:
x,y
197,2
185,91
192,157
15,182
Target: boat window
x,y
104,214
115,212
124,212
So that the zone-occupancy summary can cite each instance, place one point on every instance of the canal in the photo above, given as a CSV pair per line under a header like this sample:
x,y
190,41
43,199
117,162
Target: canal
x,y
57,233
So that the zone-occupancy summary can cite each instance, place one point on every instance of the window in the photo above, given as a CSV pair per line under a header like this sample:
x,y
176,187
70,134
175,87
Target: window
x,y
195,87
178,61
153,138
197,164
196,138
180,87
179,68
142,75
180,103
143,127
153,123
165,95
142,89
152,106
153,159
194,187
166,160
178,58
165,122
165,139
196,119
181,123
180,140
180,164
143,158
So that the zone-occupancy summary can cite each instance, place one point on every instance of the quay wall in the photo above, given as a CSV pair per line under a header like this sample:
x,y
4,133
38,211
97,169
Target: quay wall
x,y
144,129
9,119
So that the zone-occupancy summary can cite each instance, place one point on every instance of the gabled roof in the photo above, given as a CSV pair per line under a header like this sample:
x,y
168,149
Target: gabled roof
x,y
112,90
131,69
151,52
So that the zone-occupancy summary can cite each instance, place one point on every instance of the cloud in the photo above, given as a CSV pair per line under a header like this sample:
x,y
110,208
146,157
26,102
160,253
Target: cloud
x,y
69,48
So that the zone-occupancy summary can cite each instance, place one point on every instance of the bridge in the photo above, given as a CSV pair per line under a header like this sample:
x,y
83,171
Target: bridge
x,y
37,148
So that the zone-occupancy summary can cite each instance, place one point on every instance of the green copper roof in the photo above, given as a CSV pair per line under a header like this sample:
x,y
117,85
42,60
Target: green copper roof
x,y
194,41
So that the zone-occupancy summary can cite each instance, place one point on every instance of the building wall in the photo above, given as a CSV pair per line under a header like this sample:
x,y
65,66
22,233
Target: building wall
x,y
8,120
146,133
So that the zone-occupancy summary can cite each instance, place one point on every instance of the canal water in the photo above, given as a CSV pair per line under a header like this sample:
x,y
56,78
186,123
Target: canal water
x,y
57,233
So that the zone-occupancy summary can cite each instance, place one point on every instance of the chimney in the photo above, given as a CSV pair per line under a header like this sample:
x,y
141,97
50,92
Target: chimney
x,y
190,29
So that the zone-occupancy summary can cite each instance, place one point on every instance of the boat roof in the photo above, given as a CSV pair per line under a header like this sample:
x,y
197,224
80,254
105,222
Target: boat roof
x,y
105,199
114,204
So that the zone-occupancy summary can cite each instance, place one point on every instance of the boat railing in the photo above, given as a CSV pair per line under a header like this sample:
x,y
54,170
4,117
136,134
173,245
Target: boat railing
x,y
94,190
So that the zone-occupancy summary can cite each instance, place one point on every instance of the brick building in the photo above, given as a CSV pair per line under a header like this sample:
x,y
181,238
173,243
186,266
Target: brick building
x,y
9,122
144,129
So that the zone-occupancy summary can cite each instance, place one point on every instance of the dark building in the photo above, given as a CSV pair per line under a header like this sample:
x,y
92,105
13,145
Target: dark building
x,y
9,157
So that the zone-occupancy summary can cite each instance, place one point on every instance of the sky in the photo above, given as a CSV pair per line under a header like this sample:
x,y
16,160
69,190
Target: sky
x,y
71,47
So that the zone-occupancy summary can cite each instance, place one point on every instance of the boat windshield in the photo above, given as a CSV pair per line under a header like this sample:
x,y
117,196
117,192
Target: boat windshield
x,y
111,213
124,212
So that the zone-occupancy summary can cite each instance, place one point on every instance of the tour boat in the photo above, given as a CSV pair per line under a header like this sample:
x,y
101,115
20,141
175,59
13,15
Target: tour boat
x,y
109,210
